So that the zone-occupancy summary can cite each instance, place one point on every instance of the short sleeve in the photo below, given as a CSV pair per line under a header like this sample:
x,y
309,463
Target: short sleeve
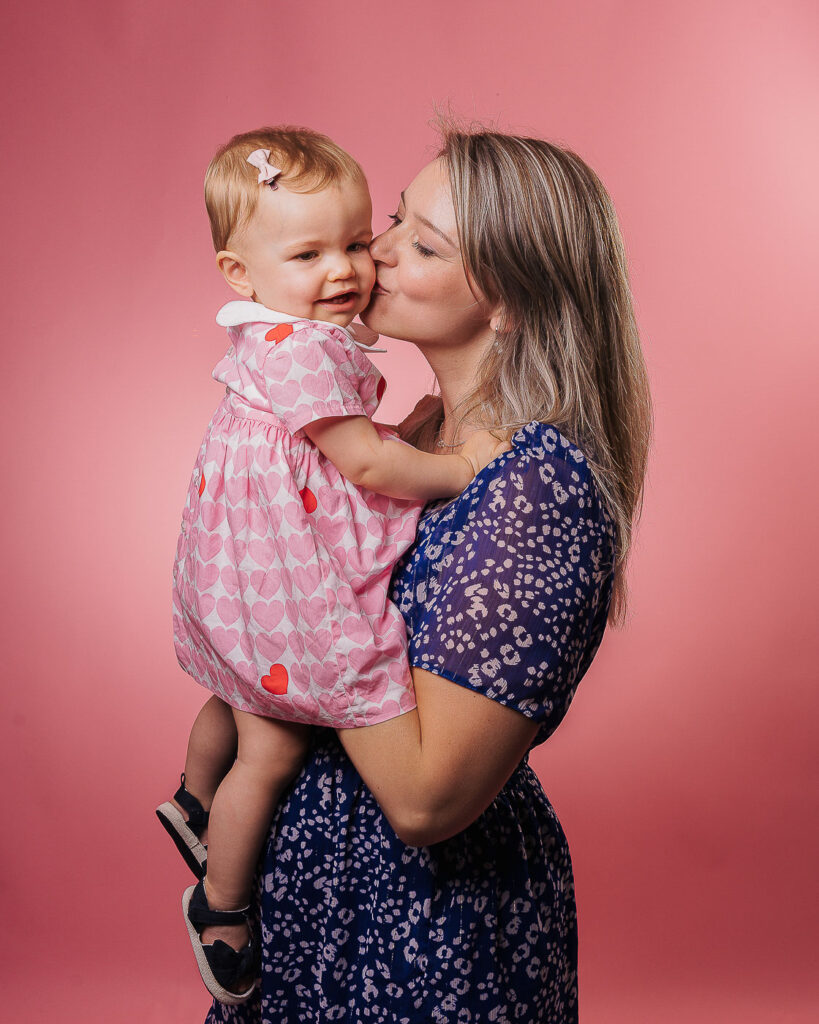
x,y
316,371
508,589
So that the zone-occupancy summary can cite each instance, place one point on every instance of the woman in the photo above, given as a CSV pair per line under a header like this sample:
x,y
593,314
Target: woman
x,y
416,872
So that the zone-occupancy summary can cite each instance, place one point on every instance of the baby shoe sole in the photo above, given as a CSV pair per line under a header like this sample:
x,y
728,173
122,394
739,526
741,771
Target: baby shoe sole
x,y
194,853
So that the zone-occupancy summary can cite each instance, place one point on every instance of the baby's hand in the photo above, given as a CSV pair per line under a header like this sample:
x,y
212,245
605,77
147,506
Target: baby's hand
x,y
481,448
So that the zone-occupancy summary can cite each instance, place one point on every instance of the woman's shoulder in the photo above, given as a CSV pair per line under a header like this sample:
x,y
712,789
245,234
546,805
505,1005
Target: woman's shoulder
x,y
541,478
540,459
543,442
508,589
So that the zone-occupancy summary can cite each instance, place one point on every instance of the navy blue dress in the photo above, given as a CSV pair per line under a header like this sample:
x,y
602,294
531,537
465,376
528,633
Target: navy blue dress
x,y
506,592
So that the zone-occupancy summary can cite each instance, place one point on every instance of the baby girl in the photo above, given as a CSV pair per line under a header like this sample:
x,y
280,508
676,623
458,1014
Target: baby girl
x,y
297,511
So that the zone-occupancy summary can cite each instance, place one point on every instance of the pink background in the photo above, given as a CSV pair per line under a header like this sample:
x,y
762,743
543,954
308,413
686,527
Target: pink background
x,y
685,774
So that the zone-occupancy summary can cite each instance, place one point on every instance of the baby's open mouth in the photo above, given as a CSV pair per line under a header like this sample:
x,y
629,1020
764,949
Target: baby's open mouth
x,y
340,300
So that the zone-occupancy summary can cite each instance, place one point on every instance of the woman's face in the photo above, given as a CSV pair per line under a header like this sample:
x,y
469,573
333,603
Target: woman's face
x,y
422,293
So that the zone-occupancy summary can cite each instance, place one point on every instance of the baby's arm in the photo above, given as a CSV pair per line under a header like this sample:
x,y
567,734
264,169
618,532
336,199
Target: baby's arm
x,y
390,467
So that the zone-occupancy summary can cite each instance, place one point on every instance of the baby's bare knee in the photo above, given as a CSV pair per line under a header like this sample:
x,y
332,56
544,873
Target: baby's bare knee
x,y
269,748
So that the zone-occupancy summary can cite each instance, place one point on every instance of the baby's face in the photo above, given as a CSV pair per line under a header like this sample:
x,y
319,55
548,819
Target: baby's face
x,y
307,253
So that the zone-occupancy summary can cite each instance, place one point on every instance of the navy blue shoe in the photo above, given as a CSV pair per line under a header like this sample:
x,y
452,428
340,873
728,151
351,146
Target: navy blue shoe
x,y
187,835
224,969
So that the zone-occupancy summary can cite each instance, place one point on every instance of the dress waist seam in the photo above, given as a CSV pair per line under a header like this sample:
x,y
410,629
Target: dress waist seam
x,y
251,415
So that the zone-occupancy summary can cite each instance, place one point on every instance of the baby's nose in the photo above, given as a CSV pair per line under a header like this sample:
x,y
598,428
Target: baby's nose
x,y
341,268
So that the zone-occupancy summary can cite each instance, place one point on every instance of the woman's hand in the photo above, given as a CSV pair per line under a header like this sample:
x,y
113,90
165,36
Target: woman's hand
x,y
481,448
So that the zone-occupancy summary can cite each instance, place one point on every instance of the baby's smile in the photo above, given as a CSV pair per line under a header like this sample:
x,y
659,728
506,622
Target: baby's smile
x,y
341,302
306,254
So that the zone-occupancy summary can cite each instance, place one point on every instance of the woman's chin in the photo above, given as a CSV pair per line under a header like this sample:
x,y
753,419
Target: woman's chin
x,y
371,316
377,317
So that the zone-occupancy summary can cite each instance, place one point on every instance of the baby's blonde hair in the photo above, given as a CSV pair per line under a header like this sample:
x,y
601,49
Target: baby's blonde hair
x,y
309,162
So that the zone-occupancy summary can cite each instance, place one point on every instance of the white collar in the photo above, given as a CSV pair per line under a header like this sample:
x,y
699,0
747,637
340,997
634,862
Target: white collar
x,y
238,312
244,311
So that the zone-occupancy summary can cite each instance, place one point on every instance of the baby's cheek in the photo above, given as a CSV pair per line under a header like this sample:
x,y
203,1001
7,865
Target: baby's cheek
x,y
368,275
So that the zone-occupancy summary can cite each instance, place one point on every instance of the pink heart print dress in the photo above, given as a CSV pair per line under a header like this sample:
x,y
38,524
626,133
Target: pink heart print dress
x,y
282,573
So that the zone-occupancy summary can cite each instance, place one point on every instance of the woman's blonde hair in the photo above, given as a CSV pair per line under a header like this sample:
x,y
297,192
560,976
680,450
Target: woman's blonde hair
x,y
309,162
540,238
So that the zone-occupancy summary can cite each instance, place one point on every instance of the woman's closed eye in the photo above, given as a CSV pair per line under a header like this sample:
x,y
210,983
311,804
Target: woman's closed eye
x,y
419,247
423,250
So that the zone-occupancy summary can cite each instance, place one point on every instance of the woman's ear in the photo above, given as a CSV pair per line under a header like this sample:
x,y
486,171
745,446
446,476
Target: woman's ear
x,y
500,320
234,272
497,321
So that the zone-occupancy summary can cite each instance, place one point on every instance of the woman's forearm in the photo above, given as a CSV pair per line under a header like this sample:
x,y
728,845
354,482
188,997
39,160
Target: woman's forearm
x,y
436,769
415,799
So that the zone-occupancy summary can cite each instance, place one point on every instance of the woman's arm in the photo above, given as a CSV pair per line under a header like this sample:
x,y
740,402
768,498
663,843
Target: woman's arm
x,y
389,467
436,769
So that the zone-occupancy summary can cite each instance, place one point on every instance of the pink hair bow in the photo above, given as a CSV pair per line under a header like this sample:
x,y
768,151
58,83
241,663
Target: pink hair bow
x,y
267,172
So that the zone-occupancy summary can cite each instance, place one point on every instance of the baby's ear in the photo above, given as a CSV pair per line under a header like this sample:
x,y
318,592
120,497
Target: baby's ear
x,y
234,272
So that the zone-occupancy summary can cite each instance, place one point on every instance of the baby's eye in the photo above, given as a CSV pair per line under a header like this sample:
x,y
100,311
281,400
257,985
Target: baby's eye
x,y
358,247
305,257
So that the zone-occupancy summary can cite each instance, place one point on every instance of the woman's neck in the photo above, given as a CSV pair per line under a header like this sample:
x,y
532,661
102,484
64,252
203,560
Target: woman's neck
x,y
456,370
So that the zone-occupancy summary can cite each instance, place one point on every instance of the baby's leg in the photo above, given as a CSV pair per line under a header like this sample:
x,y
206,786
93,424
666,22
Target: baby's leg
x,y
269,756
211,751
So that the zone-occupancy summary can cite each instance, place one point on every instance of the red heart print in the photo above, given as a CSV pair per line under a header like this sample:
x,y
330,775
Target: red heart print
x,y
308,499
279,333
276,680
382,387
201,484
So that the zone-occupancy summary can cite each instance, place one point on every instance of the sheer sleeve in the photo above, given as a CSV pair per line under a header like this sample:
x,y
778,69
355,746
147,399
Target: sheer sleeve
x,y
508,589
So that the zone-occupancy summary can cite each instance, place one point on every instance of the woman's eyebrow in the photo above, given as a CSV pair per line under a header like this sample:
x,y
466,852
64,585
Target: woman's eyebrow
x,y
430,225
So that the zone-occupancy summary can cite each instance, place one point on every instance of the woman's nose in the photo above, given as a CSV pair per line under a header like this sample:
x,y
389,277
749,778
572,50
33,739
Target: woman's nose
x,y
381,248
